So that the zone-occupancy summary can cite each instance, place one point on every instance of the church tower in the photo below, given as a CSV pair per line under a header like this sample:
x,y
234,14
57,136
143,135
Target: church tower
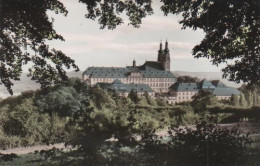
x,y
166,61
134,63
160,53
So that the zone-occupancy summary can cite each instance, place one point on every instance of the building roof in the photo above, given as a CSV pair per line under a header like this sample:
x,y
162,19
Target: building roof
x,y
151,65
220,90
149,70
183,87
225,91
120,87
206,84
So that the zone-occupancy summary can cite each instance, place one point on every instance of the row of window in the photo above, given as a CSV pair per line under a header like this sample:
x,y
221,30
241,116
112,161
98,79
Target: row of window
x,y
186,93
159,84
185,98
160,89
133,79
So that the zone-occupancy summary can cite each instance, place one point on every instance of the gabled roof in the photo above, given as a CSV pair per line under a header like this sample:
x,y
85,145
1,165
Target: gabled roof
x,y
225,91
153,65
149,70
117,82
183,87
221,84
206,84
120,87
139,88
220,90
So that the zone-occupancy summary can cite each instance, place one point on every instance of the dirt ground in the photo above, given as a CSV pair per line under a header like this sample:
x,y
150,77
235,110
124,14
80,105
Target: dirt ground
x,y
26,150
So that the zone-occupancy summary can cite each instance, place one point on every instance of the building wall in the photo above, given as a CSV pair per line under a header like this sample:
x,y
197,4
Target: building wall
x,y
157,84
184,95
181,96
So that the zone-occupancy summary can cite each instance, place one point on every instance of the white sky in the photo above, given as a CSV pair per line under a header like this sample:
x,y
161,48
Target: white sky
x,y
88,45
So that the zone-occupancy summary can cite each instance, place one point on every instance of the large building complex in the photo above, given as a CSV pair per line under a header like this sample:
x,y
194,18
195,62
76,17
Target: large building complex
x,y
153,77
155,74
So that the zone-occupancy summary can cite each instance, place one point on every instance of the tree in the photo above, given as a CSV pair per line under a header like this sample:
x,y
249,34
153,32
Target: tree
x,y
252,94
108,12
202,99
64,101
149,100
242,100
209,144
101,98
232,32
160,101
215,82
200,145
187,79
133,96
25,27
235,100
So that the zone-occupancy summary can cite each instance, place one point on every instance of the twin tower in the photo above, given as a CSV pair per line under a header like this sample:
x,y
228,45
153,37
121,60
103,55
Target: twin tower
x,y
164,57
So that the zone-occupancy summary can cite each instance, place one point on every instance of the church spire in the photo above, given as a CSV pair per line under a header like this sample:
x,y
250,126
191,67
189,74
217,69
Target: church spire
x,y
160,53
134,63
166,62
166,50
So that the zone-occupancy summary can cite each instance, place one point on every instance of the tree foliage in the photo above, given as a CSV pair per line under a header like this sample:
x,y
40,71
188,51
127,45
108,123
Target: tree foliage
x,y
104,128
62,100
134,96
251,95
108,12
232,33
206,144
187,79
202,99
25,27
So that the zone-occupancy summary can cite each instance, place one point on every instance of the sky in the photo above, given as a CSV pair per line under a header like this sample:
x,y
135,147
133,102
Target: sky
x,y
89,45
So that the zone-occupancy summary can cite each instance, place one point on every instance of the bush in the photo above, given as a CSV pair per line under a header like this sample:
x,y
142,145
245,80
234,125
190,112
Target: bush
x,y
207,144
161,102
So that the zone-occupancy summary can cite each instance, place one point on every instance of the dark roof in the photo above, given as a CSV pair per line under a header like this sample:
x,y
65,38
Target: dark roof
x,y
206,84
106,72
117,82
220,90
225,91
149,70
185,87
118,86
152,64
221,84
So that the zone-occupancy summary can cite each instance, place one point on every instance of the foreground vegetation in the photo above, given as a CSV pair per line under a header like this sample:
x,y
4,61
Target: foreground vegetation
x,y
87,117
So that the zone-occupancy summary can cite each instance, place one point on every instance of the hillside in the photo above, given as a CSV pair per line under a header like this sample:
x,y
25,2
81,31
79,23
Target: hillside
x,y
26,84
